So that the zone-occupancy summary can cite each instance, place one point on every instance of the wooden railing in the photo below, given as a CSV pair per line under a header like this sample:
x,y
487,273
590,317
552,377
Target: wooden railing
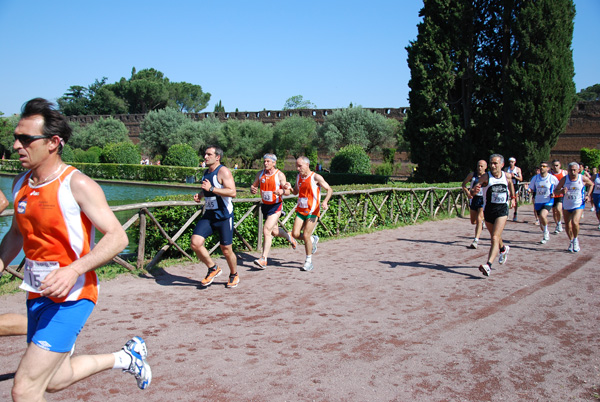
x,y
349,211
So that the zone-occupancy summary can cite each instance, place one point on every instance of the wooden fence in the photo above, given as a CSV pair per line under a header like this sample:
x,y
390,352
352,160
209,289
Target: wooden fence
x,y
349,211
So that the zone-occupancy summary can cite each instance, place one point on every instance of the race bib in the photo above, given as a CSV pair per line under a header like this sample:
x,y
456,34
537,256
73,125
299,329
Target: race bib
x,y
543,192
211,203
34,272
573,194
267,195
499,198
303,202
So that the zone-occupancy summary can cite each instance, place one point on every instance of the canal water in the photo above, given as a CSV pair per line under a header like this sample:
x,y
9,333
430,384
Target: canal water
x,y
116,194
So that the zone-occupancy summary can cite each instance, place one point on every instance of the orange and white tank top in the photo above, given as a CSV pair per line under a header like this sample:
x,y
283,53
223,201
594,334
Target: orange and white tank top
x,y
55,233
308,196
268,185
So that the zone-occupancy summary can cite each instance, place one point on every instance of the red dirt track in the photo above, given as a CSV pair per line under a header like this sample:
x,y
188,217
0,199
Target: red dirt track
x,y
397,315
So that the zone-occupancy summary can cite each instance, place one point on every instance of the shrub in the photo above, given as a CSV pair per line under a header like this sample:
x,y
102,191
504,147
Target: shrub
x,y
590,157
181,155
385,169
351,159
121,152
67,154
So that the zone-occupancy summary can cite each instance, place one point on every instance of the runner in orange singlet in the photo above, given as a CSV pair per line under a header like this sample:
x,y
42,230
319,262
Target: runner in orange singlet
x,y
273,186
308,185
557,208
56,210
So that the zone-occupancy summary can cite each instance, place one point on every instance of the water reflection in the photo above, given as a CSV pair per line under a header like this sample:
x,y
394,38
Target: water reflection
x,y
116,194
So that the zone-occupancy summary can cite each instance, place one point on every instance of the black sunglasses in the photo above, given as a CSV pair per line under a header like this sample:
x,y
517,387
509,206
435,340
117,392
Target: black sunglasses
x,y
25,139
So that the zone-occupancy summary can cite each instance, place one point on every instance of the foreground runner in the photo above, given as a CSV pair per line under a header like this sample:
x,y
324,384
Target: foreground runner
x,y
272,185
572,187
542,186
56,210
218,188
475,201
557,208
499,192
308,185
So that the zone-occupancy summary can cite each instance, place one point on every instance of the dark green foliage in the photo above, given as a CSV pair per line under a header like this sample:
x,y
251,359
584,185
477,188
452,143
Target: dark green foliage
x,y
385,169
181,155
351,159
293,136
591,93
492,77
388,155
121,152
590,157
67,154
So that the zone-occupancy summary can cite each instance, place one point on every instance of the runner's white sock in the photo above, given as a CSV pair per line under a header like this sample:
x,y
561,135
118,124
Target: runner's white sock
x,y
122,360
545,228
287,235
309,258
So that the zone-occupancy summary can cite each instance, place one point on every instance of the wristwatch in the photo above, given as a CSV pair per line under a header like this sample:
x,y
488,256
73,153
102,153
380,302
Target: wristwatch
x,y
211,188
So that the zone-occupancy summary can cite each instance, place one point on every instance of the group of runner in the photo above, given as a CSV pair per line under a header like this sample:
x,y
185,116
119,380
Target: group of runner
x,y
492,194
218,189
57,209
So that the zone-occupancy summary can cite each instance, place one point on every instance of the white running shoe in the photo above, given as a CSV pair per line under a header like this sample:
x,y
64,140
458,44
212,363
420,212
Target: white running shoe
x,y
485,269
139,367
545,238
474,244
315,241
503,256
559,227
307,266
570,249
576,248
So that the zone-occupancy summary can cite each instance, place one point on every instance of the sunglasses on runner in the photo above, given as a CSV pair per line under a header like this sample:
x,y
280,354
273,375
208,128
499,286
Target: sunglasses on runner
x,y
25,139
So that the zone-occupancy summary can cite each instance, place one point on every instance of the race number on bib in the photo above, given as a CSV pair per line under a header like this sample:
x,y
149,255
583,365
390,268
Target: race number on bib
x,y
303,202
267,195
499,198
35,272
573,194
211,203
543,192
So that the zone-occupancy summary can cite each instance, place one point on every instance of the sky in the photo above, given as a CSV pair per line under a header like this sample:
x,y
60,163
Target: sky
x,y
251,55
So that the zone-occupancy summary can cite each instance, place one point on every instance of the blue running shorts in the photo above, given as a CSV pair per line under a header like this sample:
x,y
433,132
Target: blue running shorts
x,y
224,227
271,209
55,326
596,198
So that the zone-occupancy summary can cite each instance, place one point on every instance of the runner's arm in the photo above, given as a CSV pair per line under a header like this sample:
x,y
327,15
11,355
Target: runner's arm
x,y
256,185
226,179
464,185
511,190
92,201
323,184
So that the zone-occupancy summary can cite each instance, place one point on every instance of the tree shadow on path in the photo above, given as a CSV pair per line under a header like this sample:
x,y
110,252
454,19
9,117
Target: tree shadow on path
x,y
437,267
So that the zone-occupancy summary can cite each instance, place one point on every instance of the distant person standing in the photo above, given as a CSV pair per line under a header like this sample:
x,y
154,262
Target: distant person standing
x,y
476,200
218,188
499,195
308,209
573,187
557,208
517,177
543,185
272,184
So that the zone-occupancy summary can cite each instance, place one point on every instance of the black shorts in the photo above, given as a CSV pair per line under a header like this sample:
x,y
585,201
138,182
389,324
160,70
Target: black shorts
x,y
476,202
491,213
271,209
206,227
558,200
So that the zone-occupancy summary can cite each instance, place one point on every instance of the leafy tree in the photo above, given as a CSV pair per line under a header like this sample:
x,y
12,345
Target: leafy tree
x,y
298,102
121,152
97,98
355,126
219,108
200,134
181,155
160,130
293,135
100,133
351,159
144,91
7,129
591,93
189,98
247,140
590,157
67,154
488,76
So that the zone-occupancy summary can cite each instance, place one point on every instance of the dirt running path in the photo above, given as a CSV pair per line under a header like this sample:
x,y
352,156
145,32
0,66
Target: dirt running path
x,y
397,315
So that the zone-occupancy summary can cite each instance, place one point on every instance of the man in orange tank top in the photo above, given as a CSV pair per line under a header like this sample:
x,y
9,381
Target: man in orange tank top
x,y
308,208
273,186
557,208
56,211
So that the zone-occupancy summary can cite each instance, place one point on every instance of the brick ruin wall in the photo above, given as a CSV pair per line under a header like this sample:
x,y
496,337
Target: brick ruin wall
x,y
582,131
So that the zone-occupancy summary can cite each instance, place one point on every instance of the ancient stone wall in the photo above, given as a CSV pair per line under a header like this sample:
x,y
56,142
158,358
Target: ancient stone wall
x,y
582,131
